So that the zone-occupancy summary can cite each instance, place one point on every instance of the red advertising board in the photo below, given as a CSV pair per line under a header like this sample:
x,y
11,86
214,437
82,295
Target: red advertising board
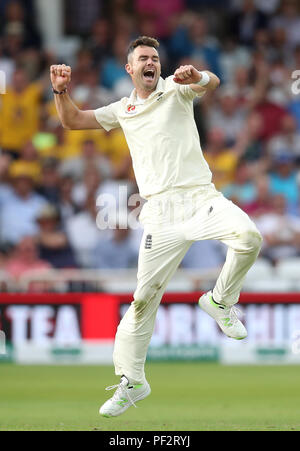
x,y
99,314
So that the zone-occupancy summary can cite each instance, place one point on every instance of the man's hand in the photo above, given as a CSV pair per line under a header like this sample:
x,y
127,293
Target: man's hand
x,y
60,76
71,117
186,75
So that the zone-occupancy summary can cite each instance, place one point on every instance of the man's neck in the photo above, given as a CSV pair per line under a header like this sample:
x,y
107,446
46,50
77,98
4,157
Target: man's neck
x,y
142,94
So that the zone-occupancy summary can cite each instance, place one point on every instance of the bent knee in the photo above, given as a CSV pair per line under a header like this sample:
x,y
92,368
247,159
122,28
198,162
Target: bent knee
x,y
252,240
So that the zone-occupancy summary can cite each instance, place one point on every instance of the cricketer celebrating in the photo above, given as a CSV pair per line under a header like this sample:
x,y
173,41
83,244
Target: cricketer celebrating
x,y
183,205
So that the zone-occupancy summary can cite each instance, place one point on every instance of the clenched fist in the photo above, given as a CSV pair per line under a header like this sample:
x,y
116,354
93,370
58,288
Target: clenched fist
x,y
60,76
186,75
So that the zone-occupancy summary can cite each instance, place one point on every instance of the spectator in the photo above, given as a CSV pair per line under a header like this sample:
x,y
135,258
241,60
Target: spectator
x,y
262,204
86,187
287,140
254,150
52,241
30,158
99,42
242,190
289,20
280,230
89,157
117,148
247,21
161,14
81,15
117,251
90,94
284,180
84,64
221,159
119,187
19,111
279,47
25,258
83,233
18,32
113,70
227,114
66,207
232,57
192,40
272,115
20,209
267,6
270,111
45,140
262,42
241,82
49,182
280,80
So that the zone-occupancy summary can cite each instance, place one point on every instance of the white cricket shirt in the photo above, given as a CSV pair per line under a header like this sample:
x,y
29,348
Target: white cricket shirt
x,y
162,137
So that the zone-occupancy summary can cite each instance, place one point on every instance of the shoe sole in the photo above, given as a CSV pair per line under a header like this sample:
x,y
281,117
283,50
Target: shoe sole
x,y
204,309
140,398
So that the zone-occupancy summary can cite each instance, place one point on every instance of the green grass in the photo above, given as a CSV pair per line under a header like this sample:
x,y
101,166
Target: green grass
x,y
185,396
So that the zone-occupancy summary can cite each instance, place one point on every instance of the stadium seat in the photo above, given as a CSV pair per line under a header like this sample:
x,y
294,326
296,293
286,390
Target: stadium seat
x,y
262,269
289,269
271,285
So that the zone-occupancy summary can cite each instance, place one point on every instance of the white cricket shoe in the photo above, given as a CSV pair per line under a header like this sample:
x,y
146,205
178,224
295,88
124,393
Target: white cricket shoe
x,y
126,395
225,316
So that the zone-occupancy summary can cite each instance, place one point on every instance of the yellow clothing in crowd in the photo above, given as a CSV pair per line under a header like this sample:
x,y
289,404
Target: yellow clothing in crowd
x,y
117,146
21,168
19,116
223,166
113,143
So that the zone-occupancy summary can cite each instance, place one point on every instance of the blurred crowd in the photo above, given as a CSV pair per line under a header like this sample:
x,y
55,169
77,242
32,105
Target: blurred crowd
x,y
249,128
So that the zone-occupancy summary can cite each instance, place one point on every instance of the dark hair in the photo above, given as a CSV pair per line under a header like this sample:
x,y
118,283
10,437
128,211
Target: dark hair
x,y
142,40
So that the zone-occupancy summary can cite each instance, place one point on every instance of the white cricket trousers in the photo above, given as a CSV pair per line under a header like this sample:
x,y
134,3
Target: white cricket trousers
x,y
172,222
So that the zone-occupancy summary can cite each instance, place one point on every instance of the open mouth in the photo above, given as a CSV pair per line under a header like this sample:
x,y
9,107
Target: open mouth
x,y
149,74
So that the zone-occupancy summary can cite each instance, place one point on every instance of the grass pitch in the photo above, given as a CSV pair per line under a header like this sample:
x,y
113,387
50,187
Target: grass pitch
x,y
185,397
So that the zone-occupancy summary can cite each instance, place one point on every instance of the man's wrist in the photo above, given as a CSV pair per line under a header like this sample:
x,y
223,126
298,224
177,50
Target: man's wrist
x,y
55,91
204,80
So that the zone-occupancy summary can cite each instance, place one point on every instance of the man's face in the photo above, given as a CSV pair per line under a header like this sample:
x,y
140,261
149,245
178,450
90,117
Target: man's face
x,y
144,67
23,186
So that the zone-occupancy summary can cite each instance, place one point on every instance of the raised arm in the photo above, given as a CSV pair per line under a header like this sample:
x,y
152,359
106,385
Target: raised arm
x,y
188,75
69,114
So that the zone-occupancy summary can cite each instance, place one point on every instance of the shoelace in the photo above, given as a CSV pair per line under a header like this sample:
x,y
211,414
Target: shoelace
x,y
234,313
120,390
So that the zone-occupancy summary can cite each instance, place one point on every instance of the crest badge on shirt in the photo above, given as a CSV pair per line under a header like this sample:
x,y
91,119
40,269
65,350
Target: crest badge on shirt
x,y
130,109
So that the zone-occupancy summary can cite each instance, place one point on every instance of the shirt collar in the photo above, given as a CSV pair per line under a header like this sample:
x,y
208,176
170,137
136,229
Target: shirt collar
x,y
159,89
